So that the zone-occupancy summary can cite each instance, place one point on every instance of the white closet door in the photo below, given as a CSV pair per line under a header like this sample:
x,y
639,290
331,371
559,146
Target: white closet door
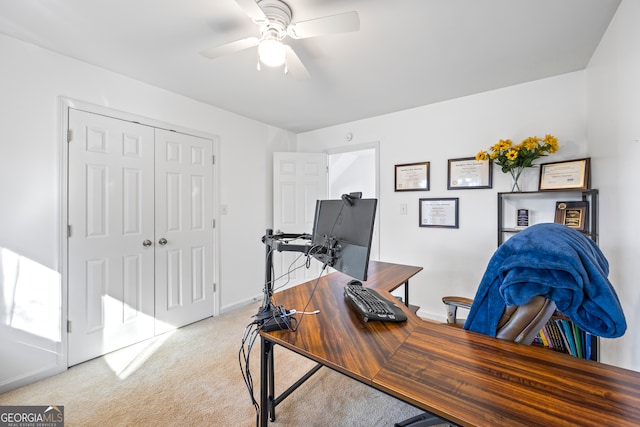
x,y
111,209
184,229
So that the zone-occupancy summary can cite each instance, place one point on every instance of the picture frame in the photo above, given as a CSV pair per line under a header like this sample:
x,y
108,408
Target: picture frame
x,y
412,176
467,173
565,175
572,214
439,212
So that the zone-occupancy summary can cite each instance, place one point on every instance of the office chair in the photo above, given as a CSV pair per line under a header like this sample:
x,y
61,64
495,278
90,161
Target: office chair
x,y
519,324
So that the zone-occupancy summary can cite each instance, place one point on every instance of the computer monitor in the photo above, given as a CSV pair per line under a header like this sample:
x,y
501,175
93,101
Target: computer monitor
x,y
342,234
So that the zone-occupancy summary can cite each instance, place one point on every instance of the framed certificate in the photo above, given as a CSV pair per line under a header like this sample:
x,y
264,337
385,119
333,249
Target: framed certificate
x,y
572,214
412,177
439,212
570,174
468,173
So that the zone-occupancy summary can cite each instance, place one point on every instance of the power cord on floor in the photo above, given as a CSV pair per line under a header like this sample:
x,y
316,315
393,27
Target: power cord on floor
x,y
251,332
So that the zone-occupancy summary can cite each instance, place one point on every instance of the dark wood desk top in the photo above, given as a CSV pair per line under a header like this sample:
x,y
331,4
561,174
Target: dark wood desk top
x,y
465,377
337,336
475,380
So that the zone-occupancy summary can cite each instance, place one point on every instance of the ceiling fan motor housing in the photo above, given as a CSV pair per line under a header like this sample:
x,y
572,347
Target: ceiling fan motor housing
x,y
278,19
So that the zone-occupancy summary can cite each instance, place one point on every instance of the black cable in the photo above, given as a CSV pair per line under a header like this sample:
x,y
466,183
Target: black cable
x,y
249,336
336,220
288,273
307,264
251,332
304,310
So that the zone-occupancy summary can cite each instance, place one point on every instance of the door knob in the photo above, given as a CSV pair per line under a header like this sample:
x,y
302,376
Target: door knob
x,y
162,241
146,243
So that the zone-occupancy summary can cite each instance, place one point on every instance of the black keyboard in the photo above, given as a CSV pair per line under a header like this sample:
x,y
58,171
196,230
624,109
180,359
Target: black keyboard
x,y
371,305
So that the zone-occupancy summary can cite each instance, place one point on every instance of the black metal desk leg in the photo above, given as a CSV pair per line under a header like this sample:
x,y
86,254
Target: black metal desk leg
x,y
266,377
406,293
272,391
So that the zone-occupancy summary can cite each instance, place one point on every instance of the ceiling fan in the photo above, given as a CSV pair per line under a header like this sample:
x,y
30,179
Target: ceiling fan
x,y
273,17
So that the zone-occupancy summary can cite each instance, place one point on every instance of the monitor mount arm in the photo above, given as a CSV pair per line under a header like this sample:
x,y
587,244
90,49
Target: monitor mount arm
x,y
269,316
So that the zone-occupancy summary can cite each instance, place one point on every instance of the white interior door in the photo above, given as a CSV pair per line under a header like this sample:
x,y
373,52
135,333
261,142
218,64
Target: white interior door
x,y
184,229
356,170
111,209
299,179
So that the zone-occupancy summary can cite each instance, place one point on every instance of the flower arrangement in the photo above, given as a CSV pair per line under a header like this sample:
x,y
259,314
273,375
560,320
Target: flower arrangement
x,y
515,158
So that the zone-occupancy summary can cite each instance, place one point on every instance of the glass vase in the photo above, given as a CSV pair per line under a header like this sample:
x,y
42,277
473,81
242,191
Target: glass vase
x,y
515,175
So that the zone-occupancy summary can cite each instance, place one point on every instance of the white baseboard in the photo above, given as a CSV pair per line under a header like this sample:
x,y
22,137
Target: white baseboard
x,y
242,303
424,314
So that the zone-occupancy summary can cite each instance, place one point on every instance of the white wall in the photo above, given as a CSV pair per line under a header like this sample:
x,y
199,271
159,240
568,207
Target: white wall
x,y
614,145
31,80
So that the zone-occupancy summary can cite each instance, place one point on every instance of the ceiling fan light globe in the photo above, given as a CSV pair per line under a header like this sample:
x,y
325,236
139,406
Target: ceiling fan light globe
x,y
272,53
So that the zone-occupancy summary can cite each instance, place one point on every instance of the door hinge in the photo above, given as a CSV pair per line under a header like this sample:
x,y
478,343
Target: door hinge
x,y
69,326
213,223
69,135
213,159
68,231
214,287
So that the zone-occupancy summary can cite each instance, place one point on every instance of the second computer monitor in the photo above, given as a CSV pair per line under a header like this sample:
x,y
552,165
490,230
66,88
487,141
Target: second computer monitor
x,y
342,234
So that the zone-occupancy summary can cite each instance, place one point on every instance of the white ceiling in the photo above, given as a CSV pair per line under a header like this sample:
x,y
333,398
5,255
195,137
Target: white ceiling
x,y
407,53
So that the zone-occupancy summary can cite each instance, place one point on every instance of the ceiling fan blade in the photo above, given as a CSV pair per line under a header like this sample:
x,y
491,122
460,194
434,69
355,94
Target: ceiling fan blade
x,y
295,65
340,23
252,9
229,48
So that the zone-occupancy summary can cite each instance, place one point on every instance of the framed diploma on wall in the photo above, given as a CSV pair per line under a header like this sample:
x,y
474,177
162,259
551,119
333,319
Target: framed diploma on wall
x,y
468,173
565,175
439,212
412,177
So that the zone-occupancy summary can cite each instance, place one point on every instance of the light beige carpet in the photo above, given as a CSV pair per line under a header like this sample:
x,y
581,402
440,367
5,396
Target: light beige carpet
x,y
191,377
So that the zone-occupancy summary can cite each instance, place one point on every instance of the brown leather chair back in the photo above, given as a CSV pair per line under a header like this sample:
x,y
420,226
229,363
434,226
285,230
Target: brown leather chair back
x,y
522,323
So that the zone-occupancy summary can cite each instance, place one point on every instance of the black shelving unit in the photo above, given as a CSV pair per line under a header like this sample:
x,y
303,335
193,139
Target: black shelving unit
x,y
542,206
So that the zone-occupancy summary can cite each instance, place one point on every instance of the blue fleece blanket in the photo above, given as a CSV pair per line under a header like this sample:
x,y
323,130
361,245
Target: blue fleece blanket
x,y
559,263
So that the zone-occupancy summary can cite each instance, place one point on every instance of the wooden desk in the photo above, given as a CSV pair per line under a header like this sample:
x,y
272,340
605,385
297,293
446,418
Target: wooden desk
x,y
475,380
337,337
464,377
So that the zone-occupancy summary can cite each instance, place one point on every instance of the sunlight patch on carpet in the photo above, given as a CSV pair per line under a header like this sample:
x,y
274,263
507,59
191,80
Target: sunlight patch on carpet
x,y
128,360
